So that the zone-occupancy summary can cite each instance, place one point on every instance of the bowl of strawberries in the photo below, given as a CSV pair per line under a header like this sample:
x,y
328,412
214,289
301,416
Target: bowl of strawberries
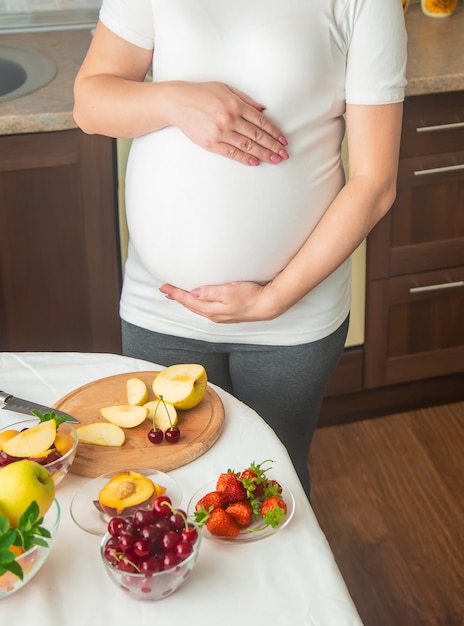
x,y
242,506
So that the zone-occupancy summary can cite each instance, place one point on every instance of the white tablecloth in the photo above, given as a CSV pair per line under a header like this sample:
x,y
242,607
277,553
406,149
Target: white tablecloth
x,y
288,579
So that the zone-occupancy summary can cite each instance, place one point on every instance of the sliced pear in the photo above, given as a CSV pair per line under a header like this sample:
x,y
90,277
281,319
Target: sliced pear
x,y
101,434
183,385
125,415
32,442
136,391
163,414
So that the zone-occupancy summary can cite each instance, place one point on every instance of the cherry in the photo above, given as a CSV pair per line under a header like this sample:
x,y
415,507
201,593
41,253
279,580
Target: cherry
x,y
183,549
177,520
151,564
142,517
142,547
6,459
170,560
162,506
155,435
115,525
126,542
169,540
150,532
189,534
172,434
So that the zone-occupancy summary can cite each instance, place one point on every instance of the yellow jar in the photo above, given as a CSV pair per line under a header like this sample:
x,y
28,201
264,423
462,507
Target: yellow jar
x,y
438,8
405,5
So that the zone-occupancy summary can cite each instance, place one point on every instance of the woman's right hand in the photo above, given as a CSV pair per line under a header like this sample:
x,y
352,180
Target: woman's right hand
x,y
111,97
224,120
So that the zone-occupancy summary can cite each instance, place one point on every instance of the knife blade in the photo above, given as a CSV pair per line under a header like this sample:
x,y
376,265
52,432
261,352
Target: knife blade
x,y
13,403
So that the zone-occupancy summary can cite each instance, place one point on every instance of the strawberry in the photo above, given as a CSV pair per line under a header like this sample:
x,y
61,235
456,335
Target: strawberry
x,y
242,512
234,491
210,500
254,479
273,511
272,488
221,524
224,479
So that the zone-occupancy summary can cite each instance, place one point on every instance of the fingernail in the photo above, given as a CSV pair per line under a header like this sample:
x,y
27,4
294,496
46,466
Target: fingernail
x,y
195,293
283,141
283,153
253,161
275,158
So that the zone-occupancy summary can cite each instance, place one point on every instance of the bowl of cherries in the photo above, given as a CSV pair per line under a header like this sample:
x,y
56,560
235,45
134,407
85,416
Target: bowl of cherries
x,y
152,552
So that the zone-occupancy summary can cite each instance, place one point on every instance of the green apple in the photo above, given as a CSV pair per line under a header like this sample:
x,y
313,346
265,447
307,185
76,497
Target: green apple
x,y
182,385
22,482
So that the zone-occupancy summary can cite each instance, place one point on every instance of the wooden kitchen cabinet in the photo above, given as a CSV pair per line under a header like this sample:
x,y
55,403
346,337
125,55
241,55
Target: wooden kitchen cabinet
x,y
59,253
415,255
413,352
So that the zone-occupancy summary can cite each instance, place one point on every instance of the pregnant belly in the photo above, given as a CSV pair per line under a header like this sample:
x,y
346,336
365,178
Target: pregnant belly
x,y
197,218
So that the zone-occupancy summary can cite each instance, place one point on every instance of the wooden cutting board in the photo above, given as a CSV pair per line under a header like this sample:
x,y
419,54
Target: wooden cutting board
x,y
200,427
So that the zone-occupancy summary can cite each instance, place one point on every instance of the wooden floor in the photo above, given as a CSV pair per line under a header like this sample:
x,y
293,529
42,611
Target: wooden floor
x,y
389,495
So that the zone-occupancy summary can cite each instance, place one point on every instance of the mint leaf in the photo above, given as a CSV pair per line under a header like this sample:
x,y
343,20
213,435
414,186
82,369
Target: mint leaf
x,y
45,417
12,567
26,534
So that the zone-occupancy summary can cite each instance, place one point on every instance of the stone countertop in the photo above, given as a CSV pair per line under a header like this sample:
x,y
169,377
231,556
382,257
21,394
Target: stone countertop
x,y
435,52
435,65
50,107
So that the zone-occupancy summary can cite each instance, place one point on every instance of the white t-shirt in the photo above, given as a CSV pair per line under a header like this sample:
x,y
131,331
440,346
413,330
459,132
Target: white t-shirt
x,y
197,218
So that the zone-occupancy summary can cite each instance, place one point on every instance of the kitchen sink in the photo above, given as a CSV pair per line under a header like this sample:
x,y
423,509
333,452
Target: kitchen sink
x,y
22,71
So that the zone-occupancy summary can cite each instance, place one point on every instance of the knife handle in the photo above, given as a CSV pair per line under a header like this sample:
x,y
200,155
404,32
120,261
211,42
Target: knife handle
x,y
4,396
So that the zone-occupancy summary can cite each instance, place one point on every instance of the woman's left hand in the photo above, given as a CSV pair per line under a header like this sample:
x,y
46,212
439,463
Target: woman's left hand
x,y
231,303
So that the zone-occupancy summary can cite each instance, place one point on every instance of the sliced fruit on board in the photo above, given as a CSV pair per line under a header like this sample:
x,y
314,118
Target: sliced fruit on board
x,y
125,415
101,434
136,391
163,414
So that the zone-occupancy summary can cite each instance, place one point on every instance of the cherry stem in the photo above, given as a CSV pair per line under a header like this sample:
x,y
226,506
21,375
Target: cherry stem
x,y
166,409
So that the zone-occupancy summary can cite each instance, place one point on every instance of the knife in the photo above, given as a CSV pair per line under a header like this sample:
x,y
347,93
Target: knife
x,y
12,403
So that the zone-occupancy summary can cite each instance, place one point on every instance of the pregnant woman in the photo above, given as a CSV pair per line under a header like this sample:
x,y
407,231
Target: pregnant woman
x,y
241,222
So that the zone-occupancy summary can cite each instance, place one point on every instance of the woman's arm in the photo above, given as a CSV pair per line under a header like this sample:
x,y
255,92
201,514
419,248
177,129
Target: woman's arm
x,y
373,134
112,98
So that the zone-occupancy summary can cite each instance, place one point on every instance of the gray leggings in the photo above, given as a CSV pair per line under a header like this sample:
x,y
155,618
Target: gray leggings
x,y
285,385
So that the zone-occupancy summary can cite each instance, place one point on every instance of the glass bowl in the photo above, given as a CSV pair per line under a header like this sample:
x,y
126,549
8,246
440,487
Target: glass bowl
x,y
58,466
32,560
151,586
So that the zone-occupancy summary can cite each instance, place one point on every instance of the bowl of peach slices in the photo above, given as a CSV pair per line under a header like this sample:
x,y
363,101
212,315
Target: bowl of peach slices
x,y
46,439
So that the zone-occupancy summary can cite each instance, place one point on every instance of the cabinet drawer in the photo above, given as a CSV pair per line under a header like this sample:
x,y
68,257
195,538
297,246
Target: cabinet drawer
x,y
424,229
433,124
414,327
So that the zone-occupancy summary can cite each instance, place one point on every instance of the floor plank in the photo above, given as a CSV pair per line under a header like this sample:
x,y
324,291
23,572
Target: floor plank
x,y
389,495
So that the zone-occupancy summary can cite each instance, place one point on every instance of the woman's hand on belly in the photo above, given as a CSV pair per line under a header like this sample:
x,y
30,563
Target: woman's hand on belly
x,y
224,120
231,303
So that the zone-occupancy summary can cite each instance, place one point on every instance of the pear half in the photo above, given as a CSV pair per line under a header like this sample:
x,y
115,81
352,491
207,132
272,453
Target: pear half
x,y
182,385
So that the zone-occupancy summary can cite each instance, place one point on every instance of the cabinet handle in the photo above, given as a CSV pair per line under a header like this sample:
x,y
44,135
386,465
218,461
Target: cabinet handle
x,y
431,129
458,283
439,170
